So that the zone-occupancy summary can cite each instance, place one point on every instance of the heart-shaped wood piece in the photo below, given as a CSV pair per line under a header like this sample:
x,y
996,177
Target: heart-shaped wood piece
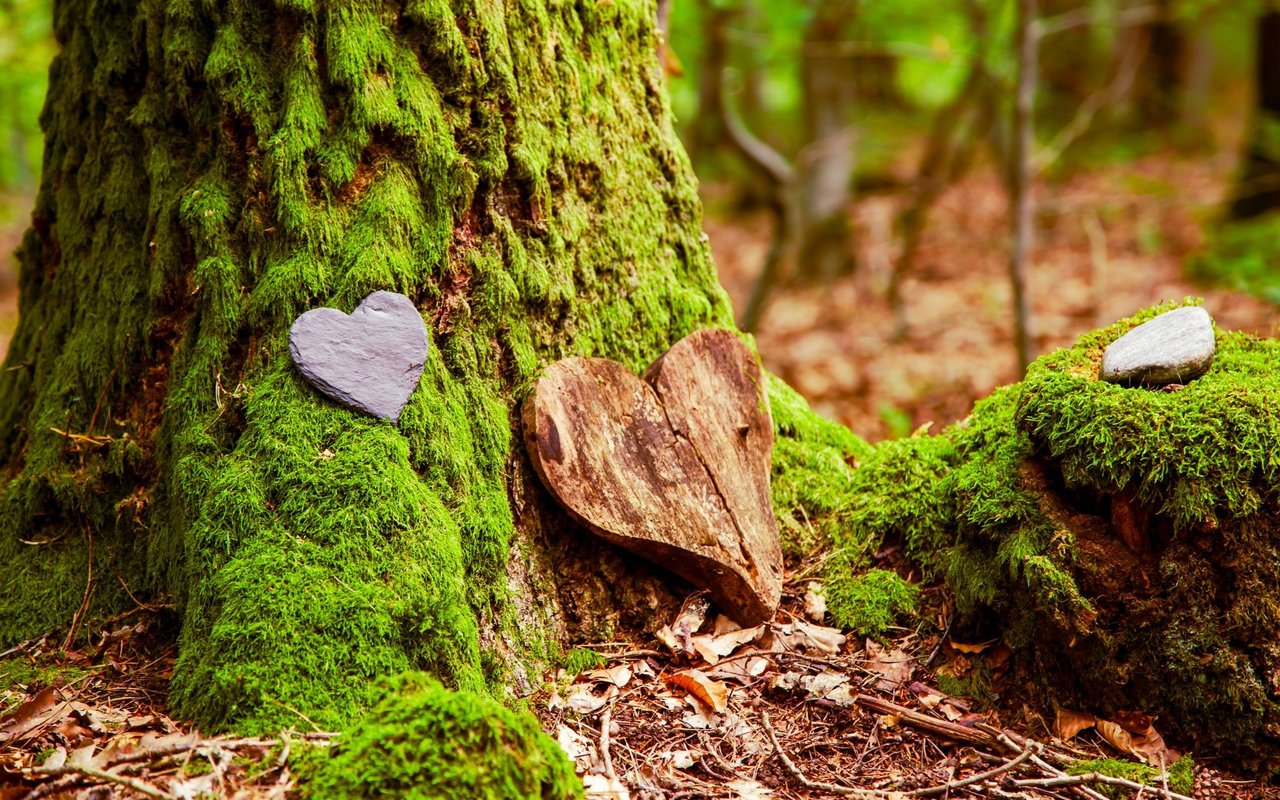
x,y
674,468
369,360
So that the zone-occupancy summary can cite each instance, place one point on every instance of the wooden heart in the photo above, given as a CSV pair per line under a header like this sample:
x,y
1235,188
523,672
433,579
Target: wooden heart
x,y
369,360
674,468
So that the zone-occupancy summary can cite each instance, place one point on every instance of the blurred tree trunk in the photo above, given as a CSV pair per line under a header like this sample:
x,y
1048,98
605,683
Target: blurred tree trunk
x,y
825,166
707,133
1156,95
1257,189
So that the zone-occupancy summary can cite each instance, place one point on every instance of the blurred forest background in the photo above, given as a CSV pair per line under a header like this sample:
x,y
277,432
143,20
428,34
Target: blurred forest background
x,y
907,200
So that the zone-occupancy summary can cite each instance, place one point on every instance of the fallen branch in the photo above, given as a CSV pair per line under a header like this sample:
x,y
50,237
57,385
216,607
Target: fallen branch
x,y
1097,777
141,787
949,730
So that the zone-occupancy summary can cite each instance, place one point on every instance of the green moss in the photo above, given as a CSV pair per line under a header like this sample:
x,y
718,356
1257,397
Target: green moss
x,y
579,660
423,741
1181,777
868,602
1240,255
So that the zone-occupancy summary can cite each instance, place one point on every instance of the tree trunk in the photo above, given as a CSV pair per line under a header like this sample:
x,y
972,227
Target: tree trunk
x,y
825,166
212,173
1257,189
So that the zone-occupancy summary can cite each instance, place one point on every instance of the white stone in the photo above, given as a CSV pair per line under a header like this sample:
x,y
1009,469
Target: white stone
x,y
1175,347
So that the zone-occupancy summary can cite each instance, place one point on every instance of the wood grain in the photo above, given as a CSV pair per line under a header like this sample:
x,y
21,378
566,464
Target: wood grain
x,y
674,468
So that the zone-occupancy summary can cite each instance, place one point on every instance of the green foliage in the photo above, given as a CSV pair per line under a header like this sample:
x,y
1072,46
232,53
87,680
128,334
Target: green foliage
x,y
215,172
1181,775
26,47
424,742
1240,255
870,602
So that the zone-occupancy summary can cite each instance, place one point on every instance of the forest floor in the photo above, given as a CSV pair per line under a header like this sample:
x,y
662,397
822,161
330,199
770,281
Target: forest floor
x,y
791,709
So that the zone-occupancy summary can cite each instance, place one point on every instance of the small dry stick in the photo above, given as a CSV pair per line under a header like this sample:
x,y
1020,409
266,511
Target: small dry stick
x,y
1012,764
1095,778
100,774
606,720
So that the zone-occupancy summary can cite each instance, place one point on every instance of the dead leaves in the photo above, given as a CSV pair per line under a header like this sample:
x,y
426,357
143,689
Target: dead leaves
x,y
1130,732
712,692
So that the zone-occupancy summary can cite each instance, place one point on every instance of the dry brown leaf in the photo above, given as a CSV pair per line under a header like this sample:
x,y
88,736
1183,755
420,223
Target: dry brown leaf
x,y
746,789
1068,724
802,636
46,705
1147,745
893,666
714,648
712,692
602,787
971,649
619,676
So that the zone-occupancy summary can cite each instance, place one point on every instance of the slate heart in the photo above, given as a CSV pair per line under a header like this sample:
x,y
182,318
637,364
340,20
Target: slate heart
x,y
370,360
674,467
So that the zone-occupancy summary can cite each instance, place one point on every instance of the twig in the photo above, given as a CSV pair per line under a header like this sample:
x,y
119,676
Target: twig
x,y
102,775
1003,738
88,591
916,719
1011,764
606,720
1097,777
831,788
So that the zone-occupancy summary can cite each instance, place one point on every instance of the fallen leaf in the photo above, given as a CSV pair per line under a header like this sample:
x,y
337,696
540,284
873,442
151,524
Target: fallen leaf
x,y
680,759
893,666
619,676
971,649
1068,724
580,751
44,706
712,692
1147,745
746,789
714,648
582,698
802,636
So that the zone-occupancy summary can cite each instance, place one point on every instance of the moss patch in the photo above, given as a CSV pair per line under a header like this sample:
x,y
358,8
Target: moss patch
x,y
1181,775
867,602
423,741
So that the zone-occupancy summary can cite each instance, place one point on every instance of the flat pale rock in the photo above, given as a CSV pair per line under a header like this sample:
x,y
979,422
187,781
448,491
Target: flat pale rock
x,y
369,360
674,467
1175,347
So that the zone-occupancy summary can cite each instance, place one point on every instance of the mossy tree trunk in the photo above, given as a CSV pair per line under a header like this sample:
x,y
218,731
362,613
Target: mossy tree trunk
x,y
212,170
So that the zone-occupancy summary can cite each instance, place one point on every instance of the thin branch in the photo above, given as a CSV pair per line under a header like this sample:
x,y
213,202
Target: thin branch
x,y
136,785
1097,778
1011,764
1084,18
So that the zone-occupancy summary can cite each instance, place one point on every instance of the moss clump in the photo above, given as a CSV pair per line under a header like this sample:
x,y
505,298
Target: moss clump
x,y
423,741
1241,255
814,471
868,602
1181,777
580,659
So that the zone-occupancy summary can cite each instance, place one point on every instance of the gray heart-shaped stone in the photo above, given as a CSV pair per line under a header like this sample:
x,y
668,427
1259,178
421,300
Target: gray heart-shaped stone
x,y
369,360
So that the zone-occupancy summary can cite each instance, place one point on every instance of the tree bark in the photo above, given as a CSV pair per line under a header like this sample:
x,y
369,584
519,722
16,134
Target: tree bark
x,y
212,173
1257,189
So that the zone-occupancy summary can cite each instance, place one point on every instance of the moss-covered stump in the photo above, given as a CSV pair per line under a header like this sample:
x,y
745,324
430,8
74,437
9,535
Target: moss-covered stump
x,y
1127,540
424,742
